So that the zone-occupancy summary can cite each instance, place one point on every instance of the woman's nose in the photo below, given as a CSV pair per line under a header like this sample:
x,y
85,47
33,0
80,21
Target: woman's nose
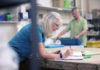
x,y
57,28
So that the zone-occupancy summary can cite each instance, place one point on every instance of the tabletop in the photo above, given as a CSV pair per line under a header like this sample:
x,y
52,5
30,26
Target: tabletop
x,y
92,63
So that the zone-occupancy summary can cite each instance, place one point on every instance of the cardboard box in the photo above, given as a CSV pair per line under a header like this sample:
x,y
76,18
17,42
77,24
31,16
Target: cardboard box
x,y
58,3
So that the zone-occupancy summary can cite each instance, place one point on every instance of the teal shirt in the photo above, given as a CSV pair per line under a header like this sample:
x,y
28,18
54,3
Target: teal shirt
x,y
21,42
77,26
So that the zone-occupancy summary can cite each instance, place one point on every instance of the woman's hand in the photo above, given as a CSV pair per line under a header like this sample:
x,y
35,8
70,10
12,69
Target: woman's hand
x,y
59,36
61,33
68,53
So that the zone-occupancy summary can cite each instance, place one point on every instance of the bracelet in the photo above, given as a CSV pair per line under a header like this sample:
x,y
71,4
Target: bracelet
x,y
61,56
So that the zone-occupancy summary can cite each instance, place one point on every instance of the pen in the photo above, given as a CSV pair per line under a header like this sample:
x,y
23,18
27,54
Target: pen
x,y
87,57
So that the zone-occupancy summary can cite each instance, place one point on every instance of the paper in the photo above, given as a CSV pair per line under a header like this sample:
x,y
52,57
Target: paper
x,y
73,58
77,55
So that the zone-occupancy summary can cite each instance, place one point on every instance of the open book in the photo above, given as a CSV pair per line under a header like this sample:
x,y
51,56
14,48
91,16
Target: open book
x,y
77,55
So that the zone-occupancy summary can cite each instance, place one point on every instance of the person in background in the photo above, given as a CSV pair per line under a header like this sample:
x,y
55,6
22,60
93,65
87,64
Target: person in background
x,y
21,42
78,27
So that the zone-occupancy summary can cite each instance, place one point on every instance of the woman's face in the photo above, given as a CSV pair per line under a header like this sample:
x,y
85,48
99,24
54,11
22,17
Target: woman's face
x,y
56,25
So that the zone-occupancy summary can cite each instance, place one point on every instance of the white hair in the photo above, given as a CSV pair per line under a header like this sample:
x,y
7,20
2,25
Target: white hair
x,y
47,22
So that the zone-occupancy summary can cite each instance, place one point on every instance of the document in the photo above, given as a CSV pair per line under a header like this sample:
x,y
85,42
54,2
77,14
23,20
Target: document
x,y
77,55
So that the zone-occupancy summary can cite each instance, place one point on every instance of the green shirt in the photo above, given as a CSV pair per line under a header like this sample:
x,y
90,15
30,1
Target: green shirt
x,y
77,26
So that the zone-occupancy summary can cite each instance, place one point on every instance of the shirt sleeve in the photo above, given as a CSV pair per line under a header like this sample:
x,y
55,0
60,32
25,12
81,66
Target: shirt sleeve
x,y
41,37
68,27
85,26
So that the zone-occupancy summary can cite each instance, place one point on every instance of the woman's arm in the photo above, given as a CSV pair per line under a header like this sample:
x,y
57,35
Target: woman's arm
x,y
44,54
61,33
47,55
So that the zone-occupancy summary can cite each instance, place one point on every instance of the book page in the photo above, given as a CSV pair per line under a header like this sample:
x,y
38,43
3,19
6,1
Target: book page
x,y
77,55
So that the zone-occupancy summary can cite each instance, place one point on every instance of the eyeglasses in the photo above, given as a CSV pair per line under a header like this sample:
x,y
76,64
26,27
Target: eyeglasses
x,y
56,25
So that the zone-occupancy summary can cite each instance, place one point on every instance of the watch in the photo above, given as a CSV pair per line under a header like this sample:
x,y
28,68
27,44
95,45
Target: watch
x,y
61,56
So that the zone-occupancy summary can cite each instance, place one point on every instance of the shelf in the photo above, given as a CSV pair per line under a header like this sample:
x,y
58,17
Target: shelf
x,y
94,28
93,35
54,9
8,22
96,37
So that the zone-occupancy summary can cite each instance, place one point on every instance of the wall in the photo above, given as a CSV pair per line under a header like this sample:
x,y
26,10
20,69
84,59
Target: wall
x,y
47,3
7,31
82,5
94,4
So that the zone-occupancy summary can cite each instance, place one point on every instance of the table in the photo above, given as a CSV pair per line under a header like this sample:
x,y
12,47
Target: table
x,y
92,63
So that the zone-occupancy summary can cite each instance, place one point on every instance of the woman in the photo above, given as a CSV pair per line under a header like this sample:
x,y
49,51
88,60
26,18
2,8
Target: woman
x,y
21,41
